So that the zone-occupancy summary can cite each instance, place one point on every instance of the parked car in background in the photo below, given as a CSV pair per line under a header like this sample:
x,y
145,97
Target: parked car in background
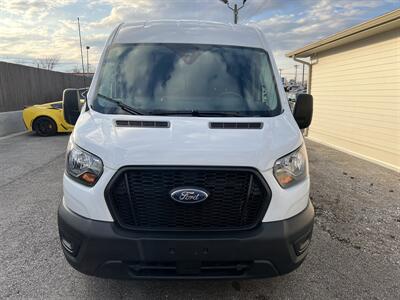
x,y
292,100
292,92
48,119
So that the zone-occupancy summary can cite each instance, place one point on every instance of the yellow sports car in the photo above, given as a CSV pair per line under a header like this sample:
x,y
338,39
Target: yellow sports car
x,y
48,119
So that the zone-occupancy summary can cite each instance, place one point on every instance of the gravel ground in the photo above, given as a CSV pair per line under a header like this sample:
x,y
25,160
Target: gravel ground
x,y
355,253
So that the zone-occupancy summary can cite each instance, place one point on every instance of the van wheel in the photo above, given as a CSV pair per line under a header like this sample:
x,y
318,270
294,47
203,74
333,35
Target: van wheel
x,y
45,126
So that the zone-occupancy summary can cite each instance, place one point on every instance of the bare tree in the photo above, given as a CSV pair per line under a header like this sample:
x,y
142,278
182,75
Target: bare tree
x,y
48,62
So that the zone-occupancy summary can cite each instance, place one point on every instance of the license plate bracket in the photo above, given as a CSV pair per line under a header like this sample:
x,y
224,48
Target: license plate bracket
x,y
188,267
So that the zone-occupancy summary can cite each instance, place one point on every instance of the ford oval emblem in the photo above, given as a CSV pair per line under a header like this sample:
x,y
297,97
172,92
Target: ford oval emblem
x,y
189,195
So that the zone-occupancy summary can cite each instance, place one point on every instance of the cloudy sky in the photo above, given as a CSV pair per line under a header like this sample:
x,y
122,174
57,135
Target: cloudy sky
x,y
32,29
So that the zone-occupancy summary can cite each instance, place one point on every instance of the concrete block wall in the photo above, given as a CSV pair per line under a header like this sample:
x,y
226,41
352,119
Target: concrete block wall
x,y
11,122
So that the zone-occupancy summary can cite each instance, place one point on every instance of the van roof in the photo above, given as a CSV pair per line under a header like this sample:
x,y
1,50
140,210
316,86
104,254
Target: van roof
x,y
189,31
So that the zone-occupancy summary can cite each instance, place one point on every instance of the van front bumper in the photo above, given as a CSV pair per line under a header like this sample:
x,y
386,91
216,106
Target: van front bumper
x,y
103,249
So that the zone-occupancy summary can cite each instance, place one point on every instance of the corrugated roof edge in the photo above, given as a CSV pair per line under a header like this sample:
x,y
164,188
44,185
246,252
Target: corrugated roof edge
x,y
350,34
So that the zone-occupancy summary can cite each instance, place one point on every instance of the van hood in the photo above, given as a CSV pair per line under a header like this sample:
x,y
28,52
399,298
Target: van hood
x,y
189,141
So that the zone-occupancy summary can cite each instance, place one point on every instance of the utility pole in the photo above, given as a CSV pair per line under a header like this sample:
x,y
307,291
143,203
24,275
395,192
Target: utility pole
x,y
87,59
295,73
80,42
235,10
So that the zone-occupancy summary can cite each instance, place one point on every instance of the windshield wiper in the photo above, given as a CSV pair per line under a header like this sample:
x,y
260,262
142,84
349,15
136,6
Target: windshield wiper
x,y
122,105
196,113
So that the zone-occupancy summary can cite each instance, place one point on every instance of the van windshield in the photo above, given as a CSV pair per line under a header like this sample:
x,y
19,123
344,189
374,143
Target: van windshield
x,y
179,79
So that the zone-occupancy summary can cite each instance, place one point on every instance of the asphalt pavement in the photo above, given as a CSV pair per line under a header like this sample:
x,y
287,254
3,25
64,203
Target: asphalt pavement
x,y
355,252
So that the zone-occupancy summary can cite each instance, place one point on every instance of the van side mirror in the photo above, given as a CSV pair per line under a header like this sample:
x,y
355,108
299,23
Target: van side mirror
x,y
303,110
71,105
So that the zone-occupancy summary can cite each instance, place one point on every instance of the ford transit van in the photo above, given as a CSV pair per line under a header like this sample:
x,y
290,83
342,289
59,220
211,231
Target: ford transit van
x,y
186,160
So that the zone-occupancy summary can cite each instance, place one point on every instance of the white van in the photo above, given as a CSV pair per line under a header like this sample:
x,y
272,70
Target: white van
x,y
185,160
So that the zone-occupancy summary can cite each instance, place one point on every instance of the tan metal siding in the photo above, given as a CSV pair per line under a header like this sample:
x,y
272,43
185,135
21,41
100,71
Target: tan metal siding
x,y
356,89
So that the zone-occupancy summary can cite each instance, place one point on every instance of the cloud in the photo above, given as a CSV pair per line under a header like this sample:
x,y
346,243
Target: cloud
x,y
125,11
30,9
320,19
30,29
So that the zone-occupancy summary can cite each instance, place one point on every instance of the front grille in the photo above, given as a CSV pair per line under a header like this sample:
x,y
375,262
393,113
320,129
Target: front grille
x,y
139,198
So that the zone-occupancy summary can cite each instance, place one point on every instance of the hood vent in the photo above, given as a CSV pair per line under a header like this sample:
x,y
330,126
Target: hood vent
x,y
240,125
142,124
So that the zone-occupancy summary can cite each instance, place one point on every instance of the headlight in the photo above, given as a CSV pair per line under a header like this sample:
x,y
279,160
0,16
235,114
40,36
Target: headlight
x,y
291,168
83,166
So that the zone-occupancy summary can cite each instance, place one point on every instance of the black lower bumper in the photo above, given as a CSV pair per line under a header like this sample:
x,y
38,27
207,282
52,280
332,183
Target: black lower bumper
x,y
103,249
